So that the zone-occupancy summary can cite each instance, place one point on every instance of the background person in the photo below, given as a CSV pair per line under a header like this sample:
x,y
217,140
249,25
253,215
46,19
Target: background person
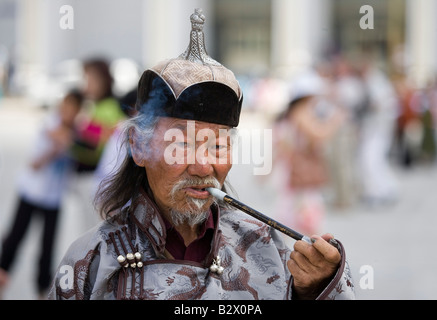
x,y
301,136
95,126
41,189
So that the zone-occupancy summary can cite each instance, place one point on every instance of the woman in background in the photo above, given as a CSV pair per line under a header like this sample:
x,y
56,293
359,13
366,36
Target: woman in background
x,y
95,126
300,136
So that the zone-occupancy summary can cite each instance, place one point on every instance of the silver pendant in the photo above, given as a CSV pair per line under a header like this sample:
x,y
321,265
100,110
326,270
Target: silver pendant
x,y
216,266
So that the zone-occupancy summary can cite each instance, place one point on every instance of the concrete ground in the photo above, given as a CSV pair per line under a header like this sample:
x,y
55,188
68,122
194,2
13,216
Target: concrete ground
x,y
390,249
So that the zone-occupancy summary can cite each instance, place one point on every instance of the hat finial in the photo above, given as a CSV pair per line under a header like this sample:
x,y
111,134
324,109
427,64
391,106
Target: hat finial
x,y
196,51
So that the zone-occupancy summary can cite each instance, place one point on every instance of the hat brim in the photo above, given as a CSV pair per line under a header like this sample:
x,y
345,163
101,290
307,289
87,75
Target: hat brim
x,y
207,101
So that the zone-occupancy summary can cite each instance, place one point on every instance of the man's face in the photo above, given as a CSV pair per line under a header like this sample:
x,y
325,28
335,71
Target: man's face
x,y
182,159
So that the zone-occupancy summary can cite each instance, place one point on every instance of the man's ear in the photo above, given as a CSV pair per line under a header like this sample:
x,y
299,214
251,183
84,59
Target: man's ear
x,y
136,148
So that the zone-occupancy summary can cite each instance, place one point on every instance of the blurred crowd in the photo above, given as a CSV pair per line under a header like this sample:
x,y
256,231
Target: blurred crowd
x,y
341,130
75,149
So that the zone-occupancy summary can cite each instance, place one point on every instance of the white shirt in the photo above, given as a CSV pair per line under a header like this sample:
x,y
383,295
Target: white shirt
x,y
44,186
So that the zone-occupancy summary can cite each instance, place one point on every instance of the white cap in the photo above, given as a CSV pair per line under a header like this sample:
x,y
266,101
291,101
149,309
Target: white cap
x,y
306,84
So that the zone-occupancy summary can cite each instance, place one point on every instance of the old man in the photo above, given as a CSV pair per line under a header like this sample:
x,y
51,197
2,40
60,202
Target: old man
x,y
164,236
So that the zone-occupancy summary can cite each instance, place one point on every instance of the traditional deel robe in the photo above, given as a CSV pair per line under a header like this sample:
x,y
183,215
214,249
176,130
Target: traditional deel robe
x,y
251,253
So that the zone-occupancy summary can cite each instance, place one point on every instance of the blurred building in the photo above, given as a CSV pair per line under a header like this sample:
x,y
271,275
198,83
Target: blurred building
x,y
252,37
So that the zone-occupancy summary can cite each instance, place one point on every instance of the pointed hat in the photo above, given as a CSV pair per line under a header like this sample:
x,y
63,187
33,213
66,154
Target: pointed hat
x,y
192,86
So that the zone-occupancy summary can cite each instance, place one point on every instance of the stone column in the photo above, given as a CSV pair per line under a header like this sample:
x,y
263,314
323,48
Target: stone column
x,y
300,31
421,40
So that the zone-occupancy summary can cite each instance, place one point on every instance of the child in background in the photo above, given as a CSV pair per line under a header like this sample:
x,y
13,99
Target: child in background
x,y
41,187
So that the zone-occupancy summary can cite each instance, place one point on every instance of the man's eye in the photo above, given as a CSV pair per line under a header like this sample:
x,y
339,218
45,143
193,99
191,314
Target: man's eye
x,y
217,147
182,144
221,150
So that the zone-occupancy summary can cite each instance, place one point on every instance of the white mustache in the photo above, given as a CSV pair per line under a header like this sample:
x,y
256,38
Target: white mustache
x,y
194,181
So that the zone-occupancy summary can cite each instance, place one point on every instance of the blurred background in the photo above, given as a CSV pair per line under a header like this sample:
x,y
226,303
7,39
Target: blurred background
x,y
373,60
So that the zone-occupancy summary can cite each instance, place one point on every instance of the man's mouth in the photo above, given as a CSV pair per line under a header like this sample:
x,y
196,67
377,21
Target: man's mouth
x,y
198,192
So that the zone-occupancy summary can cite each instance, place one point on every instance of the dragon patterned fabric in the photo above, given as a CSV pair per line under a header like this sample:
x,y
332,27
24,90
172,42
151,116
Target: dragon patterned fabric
x,y
252,254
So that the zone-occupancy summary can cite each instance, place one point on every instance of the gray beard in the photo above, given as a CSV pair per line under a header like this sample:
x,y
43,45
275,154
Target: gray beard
x,y
193,216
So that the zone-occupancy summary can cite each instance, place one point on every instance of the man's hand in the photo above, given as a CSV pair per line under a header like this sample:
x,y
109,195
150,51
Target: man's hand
x,y
312,266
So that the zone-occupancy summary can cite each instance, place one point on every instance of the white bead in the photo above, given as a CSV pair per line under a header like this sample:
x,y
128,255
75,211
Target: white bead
x,y
213,267
130,256
121,259
220,270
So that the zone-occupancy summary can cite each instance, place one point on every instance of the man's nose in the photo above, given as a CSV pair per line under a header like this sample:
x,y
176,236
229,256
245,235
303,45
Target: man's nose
x,y
202,165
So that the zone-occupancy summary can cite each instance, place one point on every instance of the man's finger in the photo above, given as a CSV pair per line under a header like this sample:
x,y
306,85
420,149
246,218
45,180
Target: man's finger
x,y
311,253
302,261
329,252
301,279
327,236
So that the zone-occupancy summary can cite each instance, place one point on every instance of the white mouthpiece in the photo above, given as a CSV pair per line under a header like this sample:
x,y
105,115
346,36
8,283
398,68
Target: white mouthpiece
x,y
216,193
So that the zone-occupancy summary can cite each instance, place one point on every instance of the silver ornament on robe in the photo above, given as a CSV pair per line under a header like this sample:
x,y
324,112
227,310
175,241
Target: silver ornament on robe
x,y
132,260
216,266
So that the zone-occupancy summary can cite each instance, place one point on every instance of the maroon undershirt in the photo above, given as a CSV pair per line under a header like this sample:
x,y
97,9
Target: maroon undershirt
x,y
196,250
